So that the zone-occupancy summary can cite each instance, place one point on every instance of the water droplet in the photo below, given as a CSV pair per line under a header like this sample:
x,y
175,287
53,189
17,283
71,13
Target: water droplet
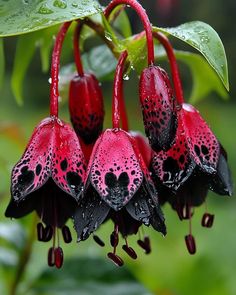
x,y
44,9
126,77
108,36
74,4
60,4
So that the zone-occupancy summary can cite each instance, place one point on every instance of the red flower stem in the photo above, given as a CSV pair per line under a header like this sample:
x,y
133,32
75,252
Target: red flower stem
x,y
173,64
77,55
144,18
117,99
55,69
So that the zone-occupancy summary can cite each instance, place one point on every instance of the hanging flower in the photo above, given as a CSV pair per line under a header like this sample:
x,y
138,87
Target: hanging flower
x,y
49,178
119,187
157,101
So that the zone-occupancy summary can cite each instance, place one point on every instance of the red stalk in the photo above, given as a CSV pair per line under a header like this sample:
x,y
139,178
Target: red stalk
x,y
118,107
77,56
173,64
55,69
144,18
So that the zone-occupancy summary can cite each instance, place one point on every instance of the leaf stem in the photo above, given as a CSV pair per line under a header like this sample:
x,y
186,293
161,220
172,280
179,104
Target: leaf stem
x,y
144,18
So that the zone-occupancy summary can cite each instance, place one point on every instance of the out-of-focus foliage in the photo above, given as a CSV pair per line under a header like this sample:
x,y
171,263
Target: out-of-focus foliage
x,y
168,269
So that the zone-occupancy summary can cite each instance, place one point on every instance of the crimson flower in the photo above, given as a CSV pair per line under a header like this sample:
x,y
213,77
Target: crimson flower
x,y
119,187
49,179
195,164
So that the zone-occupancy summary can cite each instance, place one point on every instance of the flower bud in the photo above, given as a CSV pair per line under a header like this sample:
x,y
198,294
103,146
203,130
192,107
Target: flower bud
x,y
157,101
86,107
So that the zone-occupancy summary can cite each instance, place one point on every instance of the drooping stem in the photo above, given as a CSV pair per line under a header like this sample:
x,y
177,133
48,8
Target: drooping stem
x,y
173,64
54,94
77,55
118,99
144,18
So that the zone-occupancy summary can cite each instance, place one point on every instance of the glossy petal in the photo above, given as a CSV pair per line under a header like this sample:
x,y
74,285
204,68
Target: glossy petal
x,y
91,212
53,151
159,116
203,146
143,146
34,168
173,167
68,162
222,182
86,107
114,170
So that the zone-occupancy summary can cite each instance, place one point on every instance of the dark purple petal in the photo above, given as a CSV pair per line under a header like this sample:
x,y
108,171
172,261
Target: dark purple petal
x,y
91,212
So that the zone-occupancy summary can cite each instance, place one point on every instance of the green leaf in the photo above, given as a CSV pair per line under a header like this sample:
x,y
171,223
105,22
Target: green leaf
x,y
137,53
122,23
19,17
205,39
205,79
92,276
24,53
2,62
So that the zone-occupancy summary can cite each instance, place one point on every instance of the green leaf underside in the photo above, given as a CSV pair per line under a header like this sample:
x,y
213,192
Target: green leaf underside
x,y
205,79
19,17
205,39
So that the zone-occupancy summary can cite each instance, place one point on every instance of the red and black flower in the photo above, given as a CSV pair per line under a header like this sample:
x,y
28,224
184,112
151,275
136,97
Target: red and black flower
x,y
194,164
49,178
119,187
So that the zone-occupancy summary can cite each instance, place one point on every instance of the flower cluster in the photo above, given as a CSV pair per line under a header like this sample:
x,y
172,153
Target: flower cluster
x,y
93,175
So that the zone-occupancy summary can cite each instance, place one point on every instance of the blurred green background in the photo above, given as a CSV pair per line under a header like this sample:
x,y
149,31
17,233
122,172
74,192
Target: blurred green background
x,y
169,269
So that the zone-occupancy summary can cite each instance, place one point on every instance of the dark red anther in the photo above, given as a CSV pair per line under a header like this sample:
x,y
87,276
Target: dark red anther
x,y
98,241
40,232
114,239
190,243
115,258
207,220
148,245
51,256
145,245
130,251
66,234
184,212
48,233
58,252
